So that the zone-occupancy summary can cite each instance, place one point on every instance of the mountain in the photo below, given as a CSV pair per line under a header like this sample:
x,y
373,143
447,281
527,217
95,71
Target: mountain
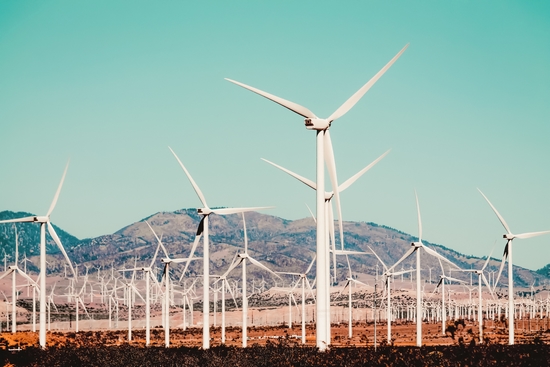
x,y
282,245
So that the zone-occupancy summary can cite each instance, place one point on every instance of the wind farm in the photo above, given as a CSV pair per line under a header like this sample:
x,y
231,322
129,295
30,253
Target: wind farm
x,y
390,260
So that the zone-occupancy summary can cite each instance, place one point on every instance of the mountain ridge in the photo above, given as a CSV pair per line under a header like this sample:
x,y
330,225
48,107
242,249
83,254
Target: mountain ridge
x,y
282,244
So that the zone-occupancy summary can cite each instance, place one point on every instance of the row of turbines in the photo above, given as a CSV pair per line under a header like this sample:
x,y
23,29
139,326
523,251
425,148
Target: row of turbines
x,y
326,247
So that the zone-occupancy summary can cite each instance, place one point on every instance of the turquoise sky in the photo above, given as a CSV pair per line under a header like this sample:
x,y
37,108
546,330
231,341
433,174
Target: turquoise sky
x,y
111,84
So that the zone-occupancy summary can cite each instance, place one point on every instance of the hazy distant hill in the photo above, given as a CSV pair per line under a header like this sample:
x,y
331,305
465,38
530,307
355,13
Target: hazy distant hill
x,y
282,245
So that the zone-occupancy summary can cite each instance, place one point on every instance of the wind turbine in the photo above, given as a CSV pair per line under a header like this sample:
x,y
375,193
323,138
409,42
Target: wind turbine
x,y
349,280
480,277
45,221
225,283
13,270
242,259
442,279
304,281
166,275
509,236
324,151
148,274
203,228
415,247
388,277
328,198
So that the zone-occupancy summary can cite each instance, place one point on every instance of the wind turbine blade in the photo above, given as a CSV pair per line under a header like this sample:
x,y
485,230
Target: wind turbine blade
x,y
331,166
200,228
26,277
260,265
286,273
294,107
233,266
7,273
504,224
158,240
310,288
487,261
155,255
294,287
193,248
349,267
531,234
402,272
345,286
58,242
245,236
311,264
193,183
310,212
16,244
504,257
302,179
441,265
18,220
419,218
379,259
56,196
228,287
360,282
433,253
438,284
354,178
347,252
187,259
407,254
487,284
226,211
343,109
455,280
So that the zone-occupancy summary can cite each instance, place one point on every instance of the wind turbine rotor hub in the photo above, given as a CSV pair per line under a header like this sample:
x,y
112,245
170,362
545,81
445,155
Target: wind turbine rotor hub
x,y
204,211
509,236
416,244
317,124
41,219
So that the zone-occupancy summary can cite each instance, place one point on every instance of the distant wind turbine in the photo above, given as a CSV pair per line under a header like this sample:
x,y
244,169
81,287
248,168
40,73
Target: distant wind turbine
x,y
45,221
509,236
203,228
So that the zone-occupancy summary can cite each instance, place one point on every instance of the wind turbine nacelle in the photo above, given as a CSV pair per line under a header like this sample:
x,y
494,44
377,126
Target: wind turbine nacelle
x,y
204,211
317,124
41,219
508,236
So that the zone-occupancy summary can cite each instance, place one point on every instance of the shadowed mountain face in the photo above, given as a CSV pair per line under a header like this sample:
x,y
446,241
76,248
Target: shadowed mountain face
x,y
280,244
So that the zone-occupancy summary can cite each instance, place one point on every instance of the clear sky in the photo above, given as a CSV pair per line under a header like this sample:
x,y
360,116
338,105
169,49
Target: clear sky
x,y
112,84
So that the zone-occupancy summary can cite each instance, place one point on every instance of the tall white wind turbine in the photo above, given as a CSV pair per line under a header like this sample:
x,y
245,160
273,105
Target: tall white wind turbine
x,y
509,236
203,229
44,222
324,151
415,247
